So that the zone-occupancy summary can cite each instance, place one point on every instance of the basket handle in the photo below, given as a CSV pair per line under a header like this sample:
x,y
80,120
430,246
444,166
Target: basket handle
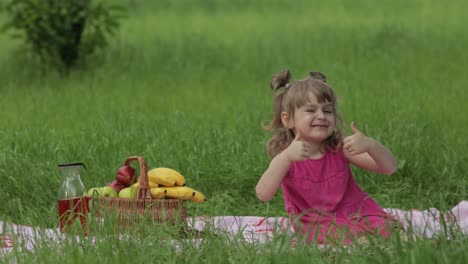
x,y
143,187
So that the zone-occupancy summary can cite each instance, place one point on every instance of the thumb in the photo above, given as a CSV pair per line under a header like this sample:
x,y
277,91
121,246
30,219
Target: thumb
x,y
354,129
298,135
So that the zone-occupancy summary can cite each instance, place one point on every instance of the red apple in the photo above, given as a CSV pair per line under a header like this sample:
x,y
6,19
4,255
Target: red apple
x,y
116,185
125,175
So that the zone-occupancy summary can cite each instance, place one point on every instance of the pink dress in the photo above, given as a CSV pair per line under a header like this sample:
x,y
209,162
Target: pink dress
x,y
325,201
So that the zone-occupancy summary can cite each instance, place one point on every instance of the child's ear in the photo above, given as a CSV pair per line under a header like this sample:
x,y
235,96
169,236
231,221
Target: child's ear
x,y
285,119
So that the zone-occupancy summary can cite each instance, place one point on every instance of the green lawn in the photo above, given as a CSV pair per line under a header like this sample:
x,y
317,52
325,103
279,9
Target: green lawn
x,y
184,84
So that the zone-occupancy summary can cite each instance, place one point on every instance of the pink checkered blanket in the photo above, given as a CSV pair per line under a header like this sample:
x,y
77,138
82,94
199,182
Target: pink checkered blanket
x,y
254,229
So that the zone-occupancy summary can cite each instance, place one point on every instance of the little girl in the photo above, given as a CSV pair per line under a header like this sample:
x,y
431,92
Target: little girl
x,y
310,160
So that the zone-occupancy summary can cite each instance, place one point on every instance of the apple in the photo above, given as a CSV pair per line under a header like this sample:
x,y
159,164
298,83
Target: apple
x,y
96,191
125,175
108,191
129,192
117,186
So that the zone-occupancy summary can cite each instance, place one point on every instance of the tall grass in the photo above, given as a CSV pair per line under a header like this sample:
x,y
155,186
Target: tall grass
x,y
185,85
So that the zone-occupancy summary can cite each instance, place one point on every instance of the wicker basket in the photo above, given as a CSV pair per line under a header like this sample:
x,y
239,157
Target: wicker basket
x,y
132,211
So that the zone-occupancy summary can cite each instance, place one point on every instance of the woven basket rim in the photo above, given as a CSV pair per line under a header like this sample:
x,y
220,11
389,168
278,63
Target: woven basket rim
x,y
163,199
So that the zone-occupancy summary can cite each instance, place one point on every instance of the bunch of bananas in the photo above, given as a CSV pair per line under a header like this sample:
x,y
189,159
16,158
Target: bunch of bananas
x,y
169,183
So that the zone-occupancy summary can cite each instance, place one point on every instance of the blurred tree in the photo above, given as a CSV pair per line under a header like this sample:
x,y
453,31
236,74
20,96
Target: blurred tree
x,y
62,32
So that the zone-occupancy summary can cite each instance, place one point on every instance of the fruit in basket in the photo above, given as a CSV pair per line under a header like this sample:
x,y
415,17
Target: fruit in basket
x,y
125,175
129,193
166,177
179,192
117,186
96,191
108,191
105,191
150,181
198,197
151,184
157,193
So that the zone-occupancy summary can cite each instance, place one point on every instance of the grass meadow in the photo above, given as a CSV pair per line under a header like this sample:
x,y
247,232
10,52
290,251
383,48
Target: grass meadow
x,y
185,84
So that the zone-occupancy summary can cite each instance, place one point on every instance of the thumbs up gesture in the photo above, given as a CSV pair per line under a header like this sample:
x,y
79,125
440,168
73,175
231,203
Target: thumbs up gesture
x,y
298,149
357,143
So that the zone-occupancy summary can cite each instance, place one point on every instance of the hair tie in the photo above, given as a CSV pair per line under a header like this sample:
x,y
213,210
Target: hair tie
x,y
282,89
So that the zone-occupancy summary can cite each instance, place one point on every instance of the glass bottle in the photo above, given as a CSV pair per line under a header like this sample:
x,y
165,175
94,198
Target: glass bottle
x,y
72,201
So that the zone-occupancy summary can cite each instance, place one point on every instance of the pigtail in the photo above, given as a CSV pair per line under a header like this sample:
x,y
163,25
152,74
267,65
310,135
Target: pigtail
x,y
280,79
279,84
318,75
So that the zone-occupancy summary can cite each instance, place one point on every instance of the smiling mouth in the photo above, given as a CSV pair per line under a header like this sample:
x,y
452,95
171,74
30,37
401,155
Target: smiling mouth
x,y
319,125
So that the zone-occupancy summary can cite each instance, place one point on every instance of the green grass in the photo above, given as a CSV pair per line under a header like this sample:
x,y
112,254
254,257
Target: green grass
x,y
185,85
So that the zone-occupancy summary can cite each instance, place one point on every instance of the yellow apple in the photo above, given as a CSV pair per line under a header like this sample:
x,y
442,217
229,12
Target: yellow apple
x,y
129,193
96,191
108,191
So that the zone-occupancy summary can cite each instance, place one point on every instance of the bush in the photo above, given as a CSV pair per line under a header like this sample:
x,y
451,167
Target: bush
x,y
63,32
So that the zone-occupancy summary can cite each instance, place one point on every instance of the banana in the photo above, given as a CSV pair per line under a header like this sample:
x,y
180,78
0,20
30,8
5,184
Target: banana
x,y
151,184
149,180
161,179
198,197
166,177
179,192
157,193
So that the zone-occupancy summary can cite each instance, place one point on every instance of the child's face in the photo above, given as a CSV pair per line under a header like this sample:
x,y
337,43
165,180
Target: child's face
x,y
315,121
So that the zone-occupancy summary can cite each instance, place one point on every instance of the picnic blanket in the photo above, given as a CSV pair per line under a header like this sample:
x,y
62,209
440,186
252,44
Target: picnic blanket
x,y
254,229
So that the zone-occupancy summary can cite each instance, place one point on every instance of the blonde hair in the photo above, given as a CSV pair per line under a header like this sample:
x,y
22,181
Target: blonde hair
x,y
289,96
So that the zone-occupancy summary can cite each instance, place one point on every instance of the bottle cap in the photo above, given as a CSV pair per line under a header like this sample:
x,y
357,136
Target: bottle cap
x,y
72,164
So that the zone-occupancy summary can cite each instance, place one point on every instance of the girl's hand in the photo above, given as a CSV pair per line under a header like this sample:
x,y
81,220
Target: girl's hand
x,y
271,179
357,143
298,149
368,153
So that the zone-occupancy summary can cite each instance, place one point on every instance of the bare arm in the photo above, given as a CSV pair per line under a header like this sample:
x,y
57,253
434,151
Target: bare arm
x,y
271,179
378,159
368,153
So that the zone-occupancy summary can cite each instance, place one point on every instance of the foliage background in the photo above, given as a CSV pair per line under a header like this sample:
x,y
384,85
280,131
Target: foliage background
x,y
185,85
